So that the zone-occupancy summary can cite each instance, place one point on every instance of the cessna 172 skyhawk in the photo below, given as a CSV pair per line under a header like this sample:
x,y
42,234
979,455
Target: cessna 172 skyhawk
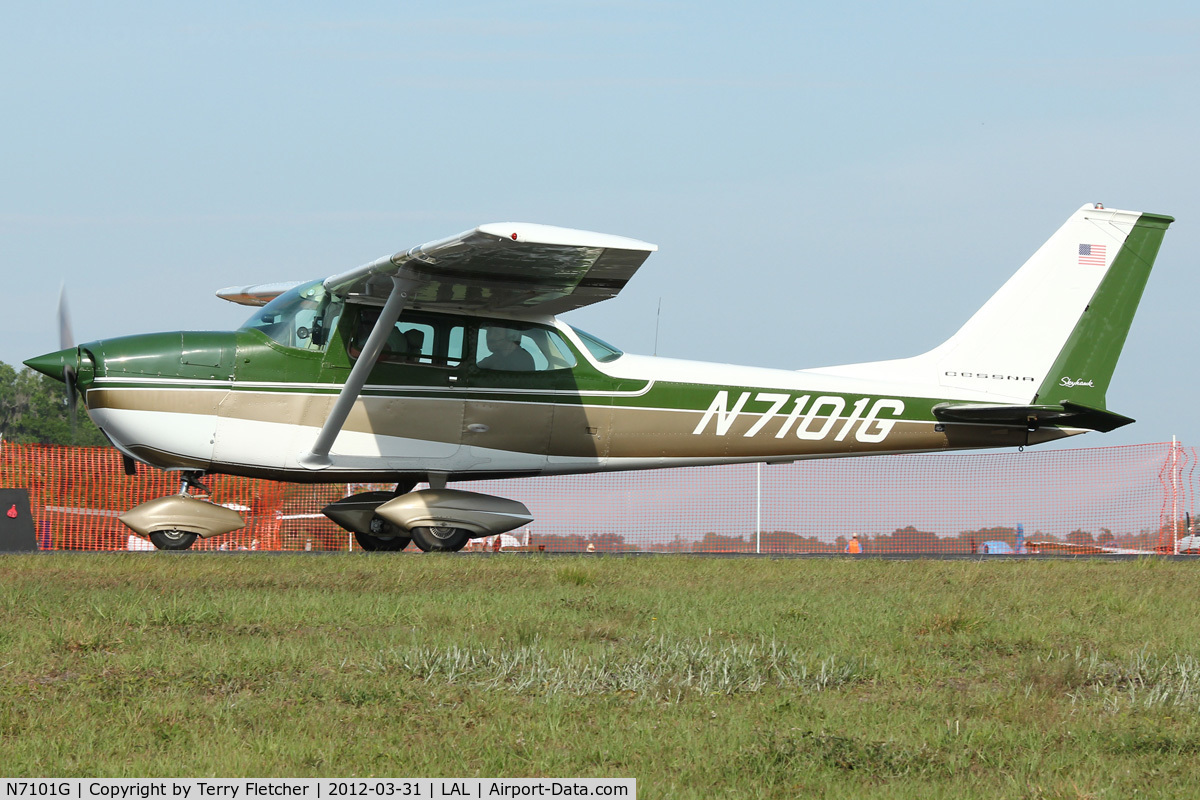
x,y
447,363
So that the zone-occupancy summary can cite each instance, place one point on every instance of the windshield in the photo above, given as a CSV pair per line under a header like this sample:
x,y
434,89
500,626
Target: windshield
x,y
303,316
601,350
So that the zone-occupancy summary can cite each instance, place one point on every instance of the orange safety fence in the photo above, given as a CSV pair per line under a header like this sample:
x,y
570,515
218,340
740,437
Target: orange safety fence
x,y
1138,497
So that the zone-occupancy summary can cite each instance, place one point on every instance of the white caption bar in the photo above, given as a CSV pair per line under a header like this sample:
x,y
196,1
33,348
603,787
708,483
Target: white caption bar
x,y
315,788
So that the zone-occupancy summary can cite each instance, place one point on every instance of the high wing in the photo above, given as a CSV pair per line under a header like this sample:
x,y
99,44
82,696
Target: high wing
x,y
509,267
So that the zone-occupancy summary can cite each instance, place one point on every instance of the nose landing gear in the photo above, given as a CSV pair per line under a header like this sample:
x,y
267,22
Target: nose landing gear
x,y
174,522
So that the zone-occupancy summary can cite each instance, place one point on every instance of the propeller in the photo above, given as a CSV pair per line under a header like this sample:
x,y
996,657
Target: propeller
x,y
66,339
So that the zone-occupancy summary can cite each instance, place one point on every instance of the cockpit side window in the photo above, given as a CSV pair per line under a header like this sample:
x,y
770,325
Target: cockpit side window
x,y
518,347
303,317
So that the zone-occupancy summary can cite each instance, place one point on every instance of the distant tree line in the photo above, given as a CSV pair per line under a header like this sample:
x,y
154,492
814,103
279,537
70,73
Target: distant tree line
x,y
33,410
908,539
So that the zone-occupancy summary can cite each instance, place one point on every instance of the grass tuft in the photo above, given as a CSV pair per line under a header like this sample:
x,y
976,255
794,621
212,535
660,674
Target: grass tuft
x,y
658,667
575,576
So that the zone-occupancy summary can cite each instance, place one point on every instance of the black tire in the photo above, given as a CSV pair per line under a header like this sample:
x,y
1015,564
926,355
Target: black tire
x,y
381,544
384,537
172,540
441,539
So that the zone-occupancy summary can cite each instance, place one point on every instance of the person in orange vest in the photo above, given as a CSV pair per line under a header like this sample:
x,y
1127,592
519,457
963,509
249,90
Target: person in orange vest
x,y
854,546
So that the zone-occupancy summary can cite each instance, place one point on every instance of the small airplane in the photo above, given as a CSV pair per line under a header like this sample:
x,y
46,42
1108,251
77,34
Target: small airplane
x,y
1182,545
1067,548
447,362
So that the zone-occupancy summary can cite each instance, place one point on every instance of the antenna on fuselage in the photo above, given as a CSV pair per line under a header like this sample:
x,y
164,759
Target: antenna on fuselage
x,y
657,322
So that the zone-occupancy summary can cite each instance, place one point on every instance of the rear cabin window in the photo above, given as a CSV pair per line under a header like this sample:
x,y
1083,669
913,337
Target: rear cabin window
x,y
419,339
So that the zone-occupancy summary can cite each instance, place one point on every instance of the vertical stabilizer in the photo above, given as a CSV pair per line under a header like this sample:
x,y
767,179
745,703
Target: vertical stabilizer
x,y
1052,333
1085,365
1085,280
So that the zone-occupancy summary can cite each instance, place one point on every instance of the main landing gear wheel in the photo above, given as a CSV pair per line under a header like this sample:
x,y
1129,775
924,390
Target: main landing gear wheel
x,y
384,537
172,540
441,539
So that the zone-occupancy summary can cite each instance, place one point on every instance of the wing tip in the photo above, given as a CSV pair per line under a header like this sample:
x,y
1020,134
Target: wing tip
x,y
538,233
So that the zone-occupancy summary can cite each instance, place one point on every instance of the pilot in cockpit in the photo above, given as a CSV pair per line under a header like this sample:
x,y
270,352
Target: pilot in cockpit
x,y
506,351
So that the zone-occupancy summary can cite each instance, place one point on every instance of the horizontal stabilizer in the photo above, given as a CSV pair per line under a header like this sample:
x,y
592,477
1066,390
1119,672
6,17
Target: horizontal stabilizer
x,y
1066,415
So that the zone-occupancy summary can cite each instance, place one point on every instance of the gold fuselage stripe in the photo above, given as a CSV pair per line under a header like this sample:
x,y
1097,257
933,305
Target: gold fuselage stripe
x,y
557,430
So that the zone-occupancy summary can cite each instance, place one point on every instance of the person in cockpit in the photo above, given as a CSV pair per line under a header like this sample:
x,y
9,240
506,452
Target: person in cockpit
x,y
394,349
414,344
506,351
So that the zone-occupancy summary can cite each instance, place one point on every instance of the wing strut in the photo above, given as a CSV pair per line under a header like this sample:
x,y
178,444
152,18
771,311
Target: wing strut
x,y
318,456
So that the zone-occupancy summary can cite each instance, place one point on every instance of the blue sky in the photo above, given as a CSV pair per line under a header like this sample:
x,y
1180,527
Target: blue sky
x,y
815,175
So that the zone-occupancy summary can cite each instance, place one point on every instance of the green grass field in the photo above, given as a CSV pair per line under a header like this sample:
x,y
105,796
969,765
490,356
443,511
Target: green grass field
x,y
700,677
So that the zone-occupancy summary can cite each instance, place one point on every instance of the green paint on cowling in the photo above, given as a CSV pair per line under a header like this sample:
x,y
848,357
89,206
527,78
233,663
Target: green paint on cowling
x,y
188,355
1084,367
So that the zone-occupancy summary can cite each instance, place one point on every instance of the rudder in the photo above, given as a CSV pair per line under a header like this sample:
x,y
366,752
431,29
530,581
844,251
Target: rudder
x,y
1084,367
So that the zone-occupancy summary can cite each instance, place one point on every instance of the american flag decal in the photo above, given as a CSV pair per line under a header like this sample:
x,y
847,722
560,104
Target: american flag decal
x,y
1092,254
